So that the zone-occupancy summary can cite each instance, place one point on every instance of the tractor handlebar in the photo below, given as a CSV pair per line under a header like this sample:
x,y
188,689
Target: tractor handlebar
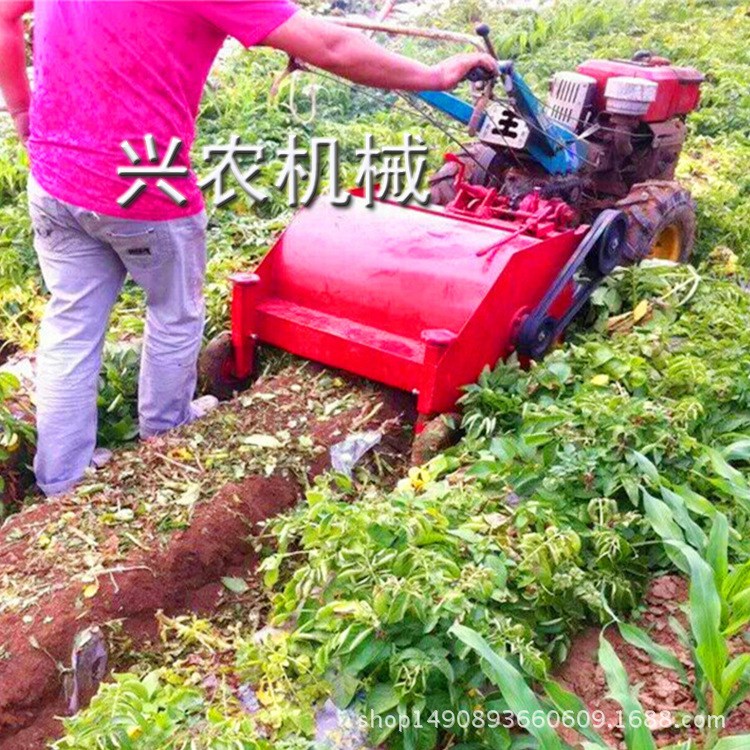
x,y
480,75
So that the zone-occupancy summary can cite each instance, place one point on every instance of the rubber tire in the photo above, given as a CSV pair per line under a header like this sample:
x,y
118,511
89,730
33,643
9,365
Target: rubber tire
x,y
442,189
213,362
652,206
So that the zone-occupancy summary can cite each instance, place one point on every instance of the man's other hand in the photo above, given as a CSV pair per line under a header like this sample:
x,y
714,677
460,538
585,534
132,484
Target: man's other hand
x,y
21,121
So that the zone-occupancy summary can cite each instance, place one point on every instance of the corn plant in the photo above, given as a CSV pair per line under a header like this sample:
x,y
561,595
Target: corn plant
x,y
523,701
637,734
718,609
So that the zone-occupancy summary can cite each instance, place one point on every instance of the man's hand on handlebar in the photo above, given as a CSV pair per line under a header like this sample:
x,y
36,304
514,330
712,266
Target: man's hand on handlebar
x,y
472,65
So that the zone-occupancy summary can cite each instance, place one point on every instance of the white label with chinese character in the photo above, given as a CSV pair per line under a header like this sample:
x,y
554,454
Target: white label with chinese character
x,y
503,127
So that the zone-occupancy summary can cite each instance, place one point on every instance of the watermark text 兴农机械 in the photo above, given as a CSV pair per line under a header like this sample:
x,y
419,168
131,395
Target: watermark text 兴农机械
x,y
302,172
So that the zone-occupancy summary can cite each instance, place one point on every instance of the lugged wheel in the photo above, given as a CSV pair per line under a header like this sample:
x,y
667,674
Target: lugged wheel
x,y
661,222
215,374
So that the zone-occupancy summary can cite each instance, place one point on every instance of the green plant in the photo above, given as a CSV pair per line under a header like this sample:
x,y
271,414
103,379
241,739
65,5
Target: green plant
x,y
118,394
718,610
637,734
522,701
643,405
12,430
550,518
372,589
284,679
16,434
149,713
540,520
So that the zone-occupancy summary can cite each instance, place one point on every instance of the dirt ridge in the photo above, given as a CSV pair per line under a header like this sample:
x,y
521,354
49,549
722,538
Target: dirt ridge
x,y
287,440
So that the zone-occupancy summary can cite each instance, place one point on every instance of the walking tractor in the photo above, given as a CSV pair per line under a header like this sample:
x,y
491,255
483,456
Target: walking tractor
x,y
524,223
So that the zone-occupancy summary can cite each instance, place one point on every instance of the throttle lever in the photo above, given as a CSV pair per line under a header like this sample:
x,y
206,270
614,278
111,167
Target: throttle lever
x,y
484,31
486,78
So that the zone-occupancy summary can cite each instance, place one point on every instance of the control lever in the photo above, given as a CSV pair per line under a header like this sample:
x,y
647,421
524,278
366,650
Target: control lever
x,y
484,31
484,80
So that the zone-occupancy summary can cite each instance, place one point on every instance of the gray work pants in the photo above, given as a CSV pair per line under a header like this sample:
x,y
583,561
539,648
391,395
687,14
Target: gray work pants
x,y
85,258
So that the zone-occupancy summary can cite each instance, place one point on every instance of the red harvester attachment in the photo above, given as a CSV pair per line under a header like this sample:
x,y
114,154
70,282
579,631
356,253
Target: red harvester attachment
x,y
418,299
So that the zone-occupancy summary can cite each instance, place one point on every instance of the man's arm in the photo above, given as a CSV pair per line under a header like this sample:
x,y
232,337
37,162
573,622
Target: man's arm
x,y
13,79
352,55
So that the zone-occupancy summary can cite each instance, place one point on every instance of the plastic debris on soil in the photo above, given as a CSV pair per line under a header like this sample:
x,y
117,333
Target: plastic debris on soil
x,y
347,454
88,667
337,729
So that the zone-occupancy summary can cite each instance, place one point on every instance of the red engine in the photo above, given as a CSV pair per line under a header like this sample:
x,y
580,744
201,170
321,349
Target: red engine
x,y
678,90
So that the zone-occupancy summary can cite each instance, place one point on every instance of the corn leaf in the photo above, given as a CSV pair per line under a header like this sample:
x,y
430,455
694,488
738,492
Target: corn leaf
x,y
734,482
738,742
736,679
661,518
705,617
737,451
717,550
736,671
684,638
737,581
646,466
724,469
660,655
739,613
518,695
735,698
569,704
696,503
662,522
637,734
693,533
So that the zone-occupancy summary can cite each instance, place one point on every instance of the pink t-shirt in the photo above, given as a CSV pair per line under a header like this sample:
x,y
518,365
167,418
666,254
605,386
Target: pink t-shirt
x,y
108,71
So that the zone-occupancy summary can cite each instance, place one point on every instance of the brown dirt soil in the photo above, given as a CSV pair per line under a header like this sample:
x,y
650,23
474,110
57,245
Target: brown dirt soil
x,y
15,471
659,689
7,350
159,527
437,435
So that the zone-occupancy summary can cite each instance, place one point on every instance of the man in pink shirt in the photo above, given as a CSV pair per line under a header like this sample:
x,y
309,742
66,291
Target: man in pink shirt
x,y
106,72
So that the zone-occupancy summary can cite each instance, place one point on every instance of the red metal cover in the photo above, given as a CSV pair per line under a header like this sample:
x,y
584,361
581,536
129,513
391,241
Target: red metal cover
x,y
679,88
420,300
